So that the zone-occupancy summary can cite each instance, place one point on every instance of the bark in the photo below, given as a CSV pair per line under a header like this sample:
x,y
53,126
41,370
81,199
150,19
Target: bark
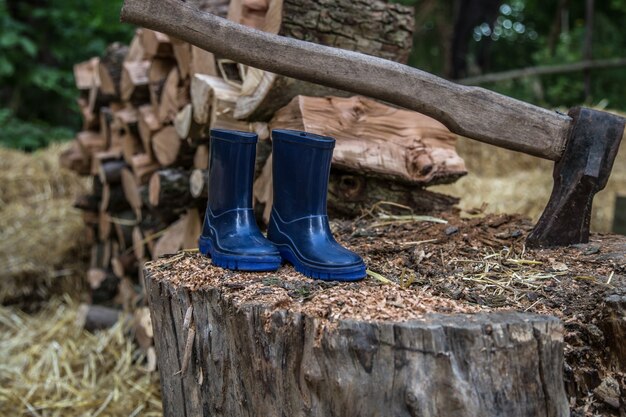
x,y
110,68
216,7
169,187
93,317
220,359
351,194
377,28
110,170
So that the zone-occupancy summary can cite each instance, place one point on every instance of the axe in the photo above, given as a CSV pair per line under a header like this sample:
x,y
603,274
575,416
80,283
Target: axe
x,y
583,143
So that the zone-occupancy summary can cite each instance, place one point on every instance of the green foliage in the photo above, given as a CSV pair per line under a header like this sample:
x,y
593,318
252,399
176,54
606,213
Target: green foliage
x,y
540,44
40,41
28,135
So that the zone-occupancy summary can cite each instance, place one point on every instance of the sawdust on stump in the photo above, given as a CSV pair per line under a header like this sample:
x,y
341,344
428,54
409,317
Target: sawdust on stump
x,y
419,265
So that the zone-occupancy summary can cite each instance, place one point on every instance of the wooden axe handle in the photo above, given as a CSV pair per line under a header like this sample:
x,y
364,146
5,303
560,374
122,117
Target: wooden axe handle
x,y
468,111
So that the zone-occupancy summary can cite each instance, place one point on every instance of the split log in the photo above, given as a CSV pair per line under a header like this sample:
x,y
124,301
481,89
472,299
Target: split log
x,y
171,241
89,143
214,101
75,160
113,198
219,355
134,82
156,44
202,62
378,28
132,191
110,171
125,265
378,140
143,166
201,157
186,126
169,101
170,150
135,50
90,118
351,195
157,75
110,68
85,74
148,125
182,55
169,187
94,317
199,183
103,285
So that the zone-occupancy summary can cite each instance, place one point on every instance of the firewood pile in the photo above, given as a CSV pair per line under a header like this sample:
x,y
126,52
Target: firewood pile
x,y
148,108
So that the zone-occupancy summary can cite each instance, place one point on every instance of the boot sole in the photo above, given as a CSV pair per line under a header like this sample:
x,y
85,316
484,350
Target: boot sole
x,y
238,262
356,273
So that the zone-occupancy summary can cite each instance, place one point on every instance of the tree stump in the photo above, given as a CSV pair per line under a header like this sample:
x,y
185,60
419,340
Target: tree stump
x,y
234,344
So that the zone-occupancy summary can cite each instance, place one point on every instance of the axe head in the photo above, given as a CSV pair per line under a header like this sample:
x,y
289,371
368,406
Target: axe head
x,y
579,174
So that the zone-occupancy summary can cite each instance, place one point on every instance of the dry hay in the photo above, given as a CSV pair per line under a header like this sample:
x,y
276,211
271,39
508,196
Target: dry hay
x,y
39,229
503,181
51,367
37,177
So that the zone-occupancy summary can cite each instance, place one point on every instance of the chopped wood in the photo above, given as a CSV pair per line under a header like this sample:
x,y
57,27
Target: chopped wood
x,y
166,144
169,98
199,183
169,186
110,170
104,227
89,143
103,285
376,139
351,194
201,157
85,76
213,101
93,317
125,265
75,160
202,62
263,92
110,68
139,245
113,198
172,239
193,229
134,82
182,54
132,191
186,126
143,165
156,44
135,50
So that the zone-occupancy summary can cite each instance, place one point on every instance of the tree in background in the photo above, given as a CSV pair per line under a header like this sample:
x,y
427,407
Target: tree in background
x,y
511,34
40,41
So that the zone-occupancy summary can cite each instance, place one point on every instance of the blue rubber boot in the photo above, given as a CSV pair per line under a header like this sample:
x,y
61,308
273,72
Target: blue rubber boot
x,y
230,235
298,223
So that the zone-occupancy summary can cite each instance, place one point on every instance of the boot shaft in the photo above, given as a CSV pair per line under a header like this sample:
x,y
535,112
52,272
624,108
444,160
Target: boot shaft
x,y
300,172
231,170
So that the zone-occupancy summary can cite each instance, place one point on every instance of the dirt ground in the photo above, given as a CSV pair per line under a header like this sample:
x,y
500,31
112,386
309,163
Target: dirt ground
x,y
461,266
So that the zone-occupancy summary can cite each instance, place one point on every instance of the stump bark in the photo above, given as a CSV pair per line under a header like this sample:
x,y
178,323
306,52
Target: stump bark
x,y
221,353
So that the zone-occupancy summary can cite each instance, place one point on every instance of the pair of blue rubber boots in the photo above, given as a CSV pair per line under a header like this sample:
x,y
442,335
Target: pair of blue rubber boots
x,y
298,231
